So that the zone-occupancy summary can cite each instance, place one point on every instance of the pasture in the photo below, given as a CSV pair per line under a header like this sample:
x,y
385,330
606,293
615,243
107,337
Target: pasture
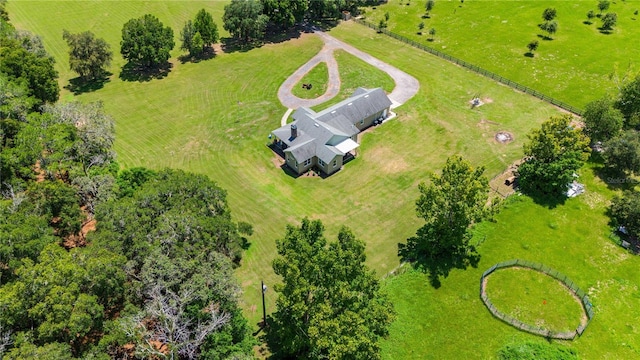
x,y
574,67
213,117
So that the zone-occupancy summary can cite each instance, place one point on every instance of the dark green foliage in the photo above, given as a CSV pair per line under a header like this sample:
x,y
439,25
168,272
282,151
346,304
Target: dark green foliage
x,y
37,73
603,5
325,9
625,211
329,305
590,16
429,6
186,36
622,153
549,14
88,55
609,20
536,351
130,180
63,296
551,27
629,103
533,46
146,42
285,13
244,20
182,213
449,205
59,203
208,29
601,120
553,154
25,349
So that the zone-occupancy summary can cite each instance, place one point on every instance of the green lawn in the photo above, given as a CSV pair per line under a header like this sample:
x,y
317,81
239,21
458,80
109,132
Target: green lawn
x,y
318,77
452,322
534,298
213,117
573,67
356,73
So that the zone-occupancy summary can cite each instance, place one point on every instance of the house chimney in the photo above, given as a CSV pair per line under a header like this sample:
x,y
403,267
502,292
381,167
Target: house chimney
x,y
294,131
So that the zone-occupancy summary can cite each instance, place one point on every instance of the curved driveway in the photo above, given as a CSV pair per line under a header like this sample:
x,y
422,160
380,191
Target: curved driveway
x,y
406,85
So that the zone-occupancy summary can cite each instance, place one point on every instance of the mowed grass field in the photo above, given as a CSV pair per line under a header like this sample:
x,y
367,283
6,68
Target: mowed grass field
x,y
574,67
213,117
451,322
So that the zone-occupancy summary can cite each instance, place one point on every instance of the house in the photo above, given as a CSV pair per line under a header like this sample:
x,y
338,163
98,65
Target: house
x,y
327,138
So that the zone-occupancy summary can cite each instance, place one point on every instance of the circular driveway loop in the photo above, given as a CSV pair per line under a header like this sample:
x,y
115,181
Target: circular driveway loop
x,y
406,85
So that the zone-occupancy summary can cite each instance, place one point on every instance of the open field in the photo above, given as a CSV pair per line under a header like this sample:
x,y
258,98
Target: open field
x,y
452,321
213,117
574,67
535,298
318,77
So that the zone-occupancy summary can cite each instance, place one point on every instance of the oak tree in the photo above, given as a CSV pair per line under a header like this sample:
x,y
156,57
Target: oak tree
x,y
146,41
329,305
88,56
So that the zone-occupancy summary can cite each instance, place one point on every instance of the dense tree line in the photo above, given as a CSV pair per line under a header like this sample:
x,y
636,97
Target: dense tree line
x,y
155,278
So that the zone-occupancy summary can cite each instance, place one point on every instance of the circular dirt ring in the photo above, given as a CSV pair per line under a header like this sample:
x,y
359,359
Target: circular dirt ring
x,y
503,137
535,299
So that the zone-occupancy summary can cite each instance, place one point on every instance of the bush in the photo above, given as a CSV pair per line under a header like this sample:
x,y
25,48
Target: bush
x,y
535,351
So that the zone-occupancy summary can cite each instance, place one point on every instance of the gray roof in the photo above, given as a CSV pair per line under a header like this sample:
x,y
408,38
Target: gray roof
x,y
363,103
318,133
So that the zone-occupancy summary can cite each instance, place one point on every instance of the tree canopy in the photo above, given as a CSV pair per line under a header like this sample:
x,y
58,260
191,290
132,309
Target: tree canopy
x,y
244,19
625,211
146,42
329,305
552,155
88,55
622,153
601,120
285,13
629,103
207,28
449,205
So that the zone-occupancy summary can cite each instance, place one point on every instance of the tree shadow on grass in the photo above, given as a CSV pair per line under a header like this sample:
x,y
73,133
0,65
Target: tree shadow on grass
x,y
605,31
79,85
135,72
528,54
438,266
615,179
545,37
207,53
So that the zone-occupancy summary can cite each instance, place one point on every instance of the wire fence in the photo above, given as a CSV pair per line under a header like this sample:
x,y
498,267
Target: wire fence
x,y
568,335
474,68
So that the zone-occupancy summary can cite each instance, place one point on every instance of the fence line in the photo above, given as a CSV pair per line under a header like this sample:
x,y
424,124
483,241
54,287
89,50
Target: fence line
x,y
584,299
474,68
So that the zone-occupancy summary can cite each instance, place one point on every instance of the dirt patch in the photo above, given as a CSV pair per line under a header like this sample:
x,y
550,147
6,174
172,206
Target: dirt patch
x,y
487,100
499,183
503,137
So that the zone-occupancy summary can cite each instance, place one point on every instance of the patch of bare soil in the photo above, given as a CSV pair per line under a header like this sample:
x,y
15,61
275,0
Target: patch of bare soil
x,y
40,173
505,184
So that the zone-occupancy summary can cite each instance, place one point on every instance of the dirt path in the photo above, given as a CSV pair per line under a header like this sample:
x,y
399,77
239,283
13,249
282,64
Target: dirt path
x,y
406,85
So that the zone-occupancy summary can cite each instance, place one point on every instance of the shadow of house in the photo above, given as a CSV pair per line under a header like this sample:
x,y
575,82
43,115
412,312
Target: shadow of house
x,y
326,140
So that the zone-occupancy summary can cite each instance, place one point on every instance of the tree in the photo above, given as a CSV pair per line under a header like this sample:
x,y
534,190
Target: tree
x,y
432,33
244,20
449,205
207,28
551,27
198,44
603,5
532,46
329,305
622,153
629,103
146,42
590,16
285,13
186,37
609,20
625,211
549,14
421,27
552,155
37,72
386,16
88,56
429,6
601,120
382,25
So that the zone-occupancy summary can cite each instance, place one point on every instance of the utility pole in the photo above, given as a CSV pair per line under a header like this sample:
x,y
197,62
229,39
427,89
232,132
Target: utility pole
x,y
264,308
